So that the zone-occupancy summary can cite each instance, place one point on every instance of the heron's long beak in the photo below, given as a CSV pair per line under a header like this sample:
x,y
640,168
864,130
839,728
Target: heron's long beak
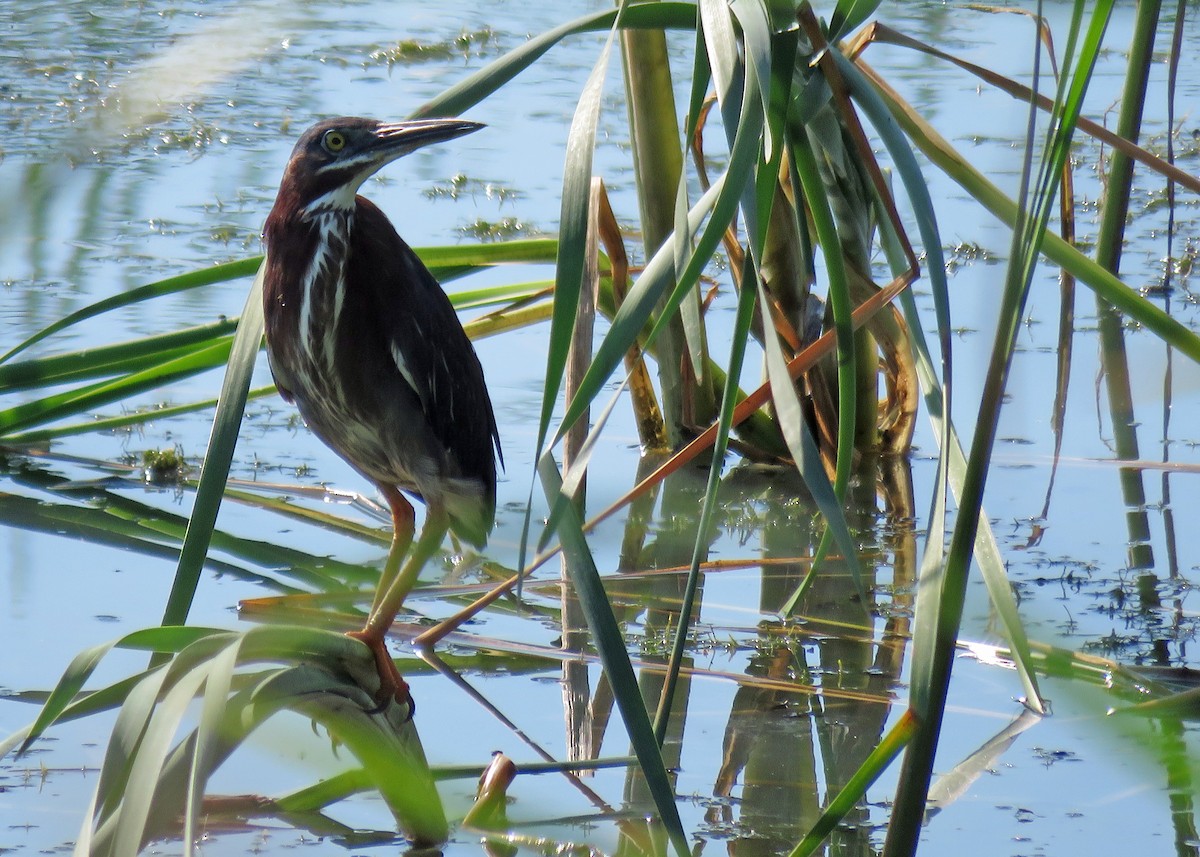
x,y
396,139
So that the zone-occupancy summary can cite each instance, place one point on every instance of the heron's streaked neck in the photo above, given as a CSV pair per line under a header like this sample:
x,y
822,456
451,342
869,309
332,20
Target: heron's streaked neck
x,y
340,200
322,287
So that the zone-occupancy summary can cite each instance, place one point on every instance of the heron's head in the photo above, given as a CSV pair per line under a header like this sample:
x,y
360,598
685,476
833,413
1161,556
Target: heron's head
x,y
334,157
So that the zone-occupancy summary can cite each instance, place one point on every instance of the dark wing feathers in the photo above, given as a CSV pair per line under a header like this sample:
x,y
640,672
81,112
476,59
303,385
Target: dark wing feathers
x,y
438,360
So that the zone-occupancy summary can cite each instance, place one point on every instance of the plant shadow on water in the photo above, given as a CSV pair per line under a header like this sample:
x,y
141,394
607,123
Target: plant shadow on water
x,y
790,687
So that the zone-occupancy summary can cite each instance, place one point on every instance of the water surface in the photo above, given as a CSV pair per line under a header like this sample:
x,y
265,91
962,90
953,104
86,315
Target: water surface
x,y
143,142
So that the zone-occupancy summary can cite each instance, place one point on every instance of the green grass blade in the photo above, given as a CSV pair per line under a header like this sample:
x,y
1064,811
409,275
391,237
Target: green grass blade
x,y
73,679
170,785
222,440
610,645
805,454
756,46
759,194
849,14
856,787
638,307
1103,282
152,353
183,282
657,158
721,45
105,392
573,229
694,332
935,631
938,396
840,303
328,791
65,702
123,744
169,640
204,751
83,841
1025,252
720,202
654,131
923,212
110,359
390,752
147,763
729,399
573,478
571,259
126,524
506,293
951,469
142,738
490,254
103,424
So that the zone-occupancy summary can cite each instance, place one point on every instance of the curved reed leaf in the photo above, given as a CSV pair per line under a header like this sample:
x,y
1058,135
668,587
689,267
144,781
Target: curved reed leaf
x,y
721,47
628,323
938,396
390,752
488,254
755,44
571,259
76,675
440,259
758,47
148,779
951,467
131,418
720,203
122,747
478,86
147,760
168,640
154,361
205,753
695,336
69,704
923,212
66,691
573,478
141,723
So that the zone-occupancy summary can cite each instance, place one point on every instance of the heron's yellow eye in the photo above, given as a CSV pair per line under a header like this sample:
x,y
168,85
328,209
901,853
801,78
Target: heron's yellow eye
x,y
334,141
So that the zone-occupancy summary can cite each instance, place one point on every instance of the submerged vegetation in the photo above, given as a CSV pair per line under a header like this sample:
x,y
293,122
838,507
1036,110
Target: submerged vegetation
x,y
414,51
807,170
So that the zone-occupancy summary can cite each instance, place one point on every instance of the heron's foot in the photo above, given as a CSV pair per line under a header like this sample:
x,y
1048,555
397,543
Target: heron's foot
x,y
392,686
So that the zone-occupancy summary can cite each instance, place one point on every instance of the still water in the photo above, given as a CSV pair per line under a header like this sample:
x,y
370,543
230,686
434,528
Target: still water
x,y
140,142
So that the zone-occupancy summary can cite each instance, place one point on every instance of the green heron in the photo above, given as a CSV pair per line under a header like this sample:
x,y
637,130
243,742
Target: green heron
x,y
365,342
